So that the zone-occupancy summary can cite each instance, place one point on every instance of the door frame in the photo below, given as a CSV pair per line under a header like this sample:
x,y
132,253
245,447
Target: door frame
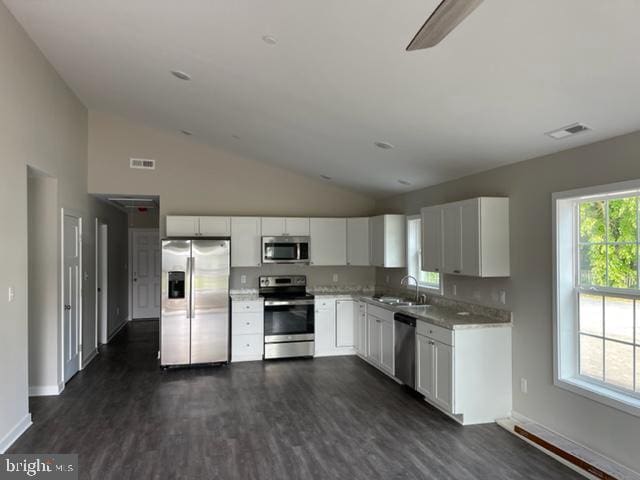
x,y
76,214
130,266
100,245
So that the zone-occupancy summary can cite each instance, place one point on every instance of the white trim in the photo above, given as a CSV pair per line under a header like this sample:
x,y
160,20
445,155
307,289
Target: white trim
x,y
45,390
601,394
422,287
98,244
90,357
115,332
15,433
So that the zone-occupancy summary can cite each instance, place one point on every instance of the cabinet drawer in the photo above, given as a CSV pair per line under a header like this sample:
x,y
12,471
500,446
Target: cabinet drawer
x,y
325,303
246,345
442,335
379,312
246,323
247,306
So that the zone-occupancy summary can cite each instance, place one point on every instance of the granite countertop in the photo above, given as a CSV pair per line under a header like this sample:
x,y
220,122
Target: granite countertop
x,y
247,295
444,316
345,291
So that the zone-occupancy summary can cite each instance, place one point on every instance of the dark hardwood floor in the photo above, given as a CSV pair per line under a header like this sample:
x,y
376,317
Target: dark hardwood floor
x,y
331,418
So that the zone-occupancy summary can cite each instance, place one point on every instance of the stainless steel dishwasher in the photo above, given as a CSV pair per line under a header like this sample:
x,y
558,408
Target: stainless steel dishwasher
x,y
405,349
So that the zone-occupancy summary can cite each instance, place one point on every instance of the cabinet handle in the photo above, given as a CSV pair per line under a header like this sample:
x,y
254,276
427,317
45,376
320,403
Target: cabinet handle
x,y
456,271
436,269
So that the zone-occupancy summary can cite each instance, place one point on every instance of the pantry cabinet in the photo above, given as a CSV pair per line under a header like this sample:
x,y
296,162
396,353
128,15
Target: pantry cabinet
x,y
470,237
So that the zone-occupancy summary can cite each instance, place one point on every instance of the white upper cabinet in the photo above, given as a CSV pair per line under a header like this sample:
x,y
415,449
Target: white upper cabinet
x,y
473,239
358,241
432,239
245,242
388,237
189,226
328,241
291,226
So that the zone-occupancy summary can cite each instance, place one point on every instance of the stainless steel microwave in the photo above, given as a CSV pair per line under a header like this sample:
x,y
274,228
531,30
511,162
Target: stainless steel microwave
x,y
285,250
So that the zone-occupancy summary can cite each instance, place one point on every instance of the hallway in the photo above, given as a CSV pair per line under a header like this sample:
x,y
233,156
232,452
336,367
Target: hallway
x,y
262,420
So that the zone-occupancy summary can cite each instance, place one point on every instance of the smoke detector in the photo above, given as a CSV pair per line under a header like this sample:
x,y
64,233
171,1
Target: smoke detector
x,y
568,131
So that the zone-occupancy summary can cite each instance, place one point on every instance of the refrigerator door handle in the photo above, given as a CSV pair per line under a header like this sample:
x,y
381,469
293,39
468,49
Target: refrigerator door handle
x,y
188,275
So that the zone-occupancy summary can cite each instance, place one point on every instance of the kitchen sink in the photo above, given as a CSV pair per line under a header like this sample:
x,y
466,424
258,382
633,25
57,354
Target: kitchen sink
x,y
394,301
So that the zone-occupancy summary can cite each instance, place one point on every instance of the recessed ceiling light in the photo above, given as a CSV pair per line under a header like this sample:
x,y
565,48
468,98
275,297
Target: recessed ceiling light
x,y
186,132
568,131
326,177
180,75
404,182
384,145
269,40
236,137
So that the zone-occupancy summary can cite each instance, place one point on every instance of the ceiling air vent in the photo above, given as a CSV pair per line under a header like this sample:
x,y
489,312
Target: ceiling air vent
x,y
568,131
143,163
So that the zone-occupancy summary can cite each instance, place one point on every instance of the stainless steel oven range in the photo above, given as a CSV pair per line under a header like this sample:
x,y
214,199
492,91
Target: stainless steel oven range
x,y
288,317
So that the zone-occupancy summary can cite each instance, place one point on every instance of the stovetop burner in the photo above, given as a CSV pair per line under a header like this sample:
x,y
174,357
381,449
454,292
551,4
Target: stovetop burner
x,y
283,287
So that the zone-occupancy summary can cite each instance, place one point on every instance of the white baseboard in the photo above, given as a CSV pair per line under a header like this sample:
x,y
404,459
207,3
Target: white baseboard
x,y
115,332
91,356
15,433
45,390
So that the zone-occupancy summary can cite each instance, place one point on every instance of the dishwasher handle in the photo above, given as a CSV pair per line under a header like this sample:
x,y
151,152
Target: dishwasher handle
x,y
406,319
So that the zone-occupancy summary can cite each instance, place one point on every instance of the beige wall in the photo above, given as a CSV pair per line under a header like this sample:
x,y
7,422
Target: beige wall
x,y
193,178
529,186
316,276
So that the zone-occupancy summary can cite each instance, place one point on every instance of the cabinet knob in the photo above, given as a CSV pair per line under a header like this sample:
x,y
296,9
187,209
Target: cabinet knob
x,y
456,271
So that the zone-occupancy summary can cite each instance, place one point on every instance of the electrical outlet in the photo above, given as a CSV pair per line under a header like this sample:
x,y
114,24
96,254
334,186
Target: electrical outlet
x,y
454,289
335,277
524,387
11,294
243,279
503,297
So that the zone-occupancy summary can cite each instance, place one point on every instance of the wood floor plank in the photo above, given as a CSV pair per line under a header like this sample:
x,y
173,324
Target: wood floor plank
x,y
327,418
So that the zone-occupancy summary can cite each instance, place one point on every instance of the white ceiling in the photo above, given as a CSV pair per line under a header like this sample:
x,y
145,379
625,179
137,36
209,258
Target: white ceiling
x,y
339,78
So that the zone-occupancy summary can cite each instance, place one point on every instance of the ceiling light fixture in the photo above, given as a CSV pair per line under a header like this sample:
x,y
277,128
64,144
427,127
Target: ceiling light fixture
x,y
181,75
326,177
384,145
269,40
568,131
404,182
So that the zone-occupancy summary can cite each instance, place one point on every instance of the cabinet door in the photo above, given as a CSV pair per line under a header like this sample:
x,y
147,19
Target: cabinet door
x,y
375,339
245,242
273,226
425,371
181,226
387,357
443,394
358,242
432,239
361,329
296,227
328,241
215,226
325,319
345,323
470,234
452,238
376,229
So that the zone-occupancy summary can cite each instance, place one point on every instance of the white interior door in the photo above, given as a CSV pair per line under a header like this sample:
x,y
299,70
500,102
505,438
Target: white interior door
x,y
102,282
145,271
71,296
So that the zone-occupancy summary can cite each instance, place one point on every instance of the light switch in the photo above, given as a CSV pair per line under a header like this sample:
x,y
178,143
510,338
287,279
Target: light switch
x,y
335,277
243,279
454,289
11,293
503,297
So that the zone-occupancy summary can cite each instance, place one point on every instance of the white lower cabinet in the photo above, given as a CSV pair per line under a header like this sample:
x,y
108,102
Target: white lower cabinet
x,y
381,348
345,323
434,371
361,330
375,339
247,330
334,326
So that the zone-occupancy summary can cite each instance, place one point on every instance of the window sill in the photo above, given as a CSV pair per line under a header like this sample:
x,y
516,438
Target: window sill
x,y
618,400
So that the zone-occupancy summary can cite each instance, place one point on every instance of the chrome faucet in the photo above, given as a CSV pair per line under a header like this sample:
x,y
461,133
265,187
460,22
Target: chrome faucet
x,y
407,278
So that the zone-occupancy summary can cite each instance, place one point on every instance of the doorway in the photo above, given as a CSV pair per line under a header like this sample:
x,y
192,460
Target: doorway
x,y
145,273
102,282
71,293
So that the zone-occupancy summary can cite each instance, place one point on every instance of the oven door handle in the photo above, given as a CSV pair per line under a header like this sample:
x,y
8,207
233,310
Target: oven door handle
x,y
282,303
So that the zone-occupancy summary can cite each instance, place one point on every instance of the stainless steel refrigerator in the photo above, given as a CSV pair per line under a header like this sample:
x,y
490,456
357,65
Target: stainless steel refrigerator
x,y
194,322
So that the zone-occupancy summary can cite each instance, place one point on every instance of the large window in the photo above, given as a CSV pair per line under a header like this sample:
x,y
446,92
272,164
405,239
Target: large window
x,y
414,256
597,294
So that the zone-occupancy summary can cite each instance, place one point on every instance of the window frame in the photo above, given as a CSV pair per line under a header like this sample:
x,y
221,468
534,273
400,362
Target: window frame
x,y
425,287
566,298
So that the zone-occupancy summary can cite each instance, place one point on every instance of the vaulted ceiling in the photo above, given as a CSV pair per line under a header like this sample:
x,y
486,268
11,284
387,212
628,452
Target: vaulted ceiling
x,y
339,79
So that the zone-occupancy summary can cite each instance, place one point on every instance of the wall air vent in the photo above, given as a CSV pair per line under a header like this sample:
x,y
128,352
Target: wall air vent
x,y
568,131
143,163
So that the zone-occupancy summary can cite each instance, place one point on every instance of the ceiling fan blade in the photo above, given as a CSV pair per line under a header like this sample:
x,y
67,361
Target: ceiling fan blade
x,y
444,19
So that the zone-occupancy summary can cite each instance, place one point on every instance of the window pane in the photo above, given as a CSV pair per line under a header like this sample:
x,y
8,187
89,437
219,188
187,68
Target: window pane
x,y
430,278
618,318
618,364
592,222
637,369
623,266
593,265
622,220
591,314
591,357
